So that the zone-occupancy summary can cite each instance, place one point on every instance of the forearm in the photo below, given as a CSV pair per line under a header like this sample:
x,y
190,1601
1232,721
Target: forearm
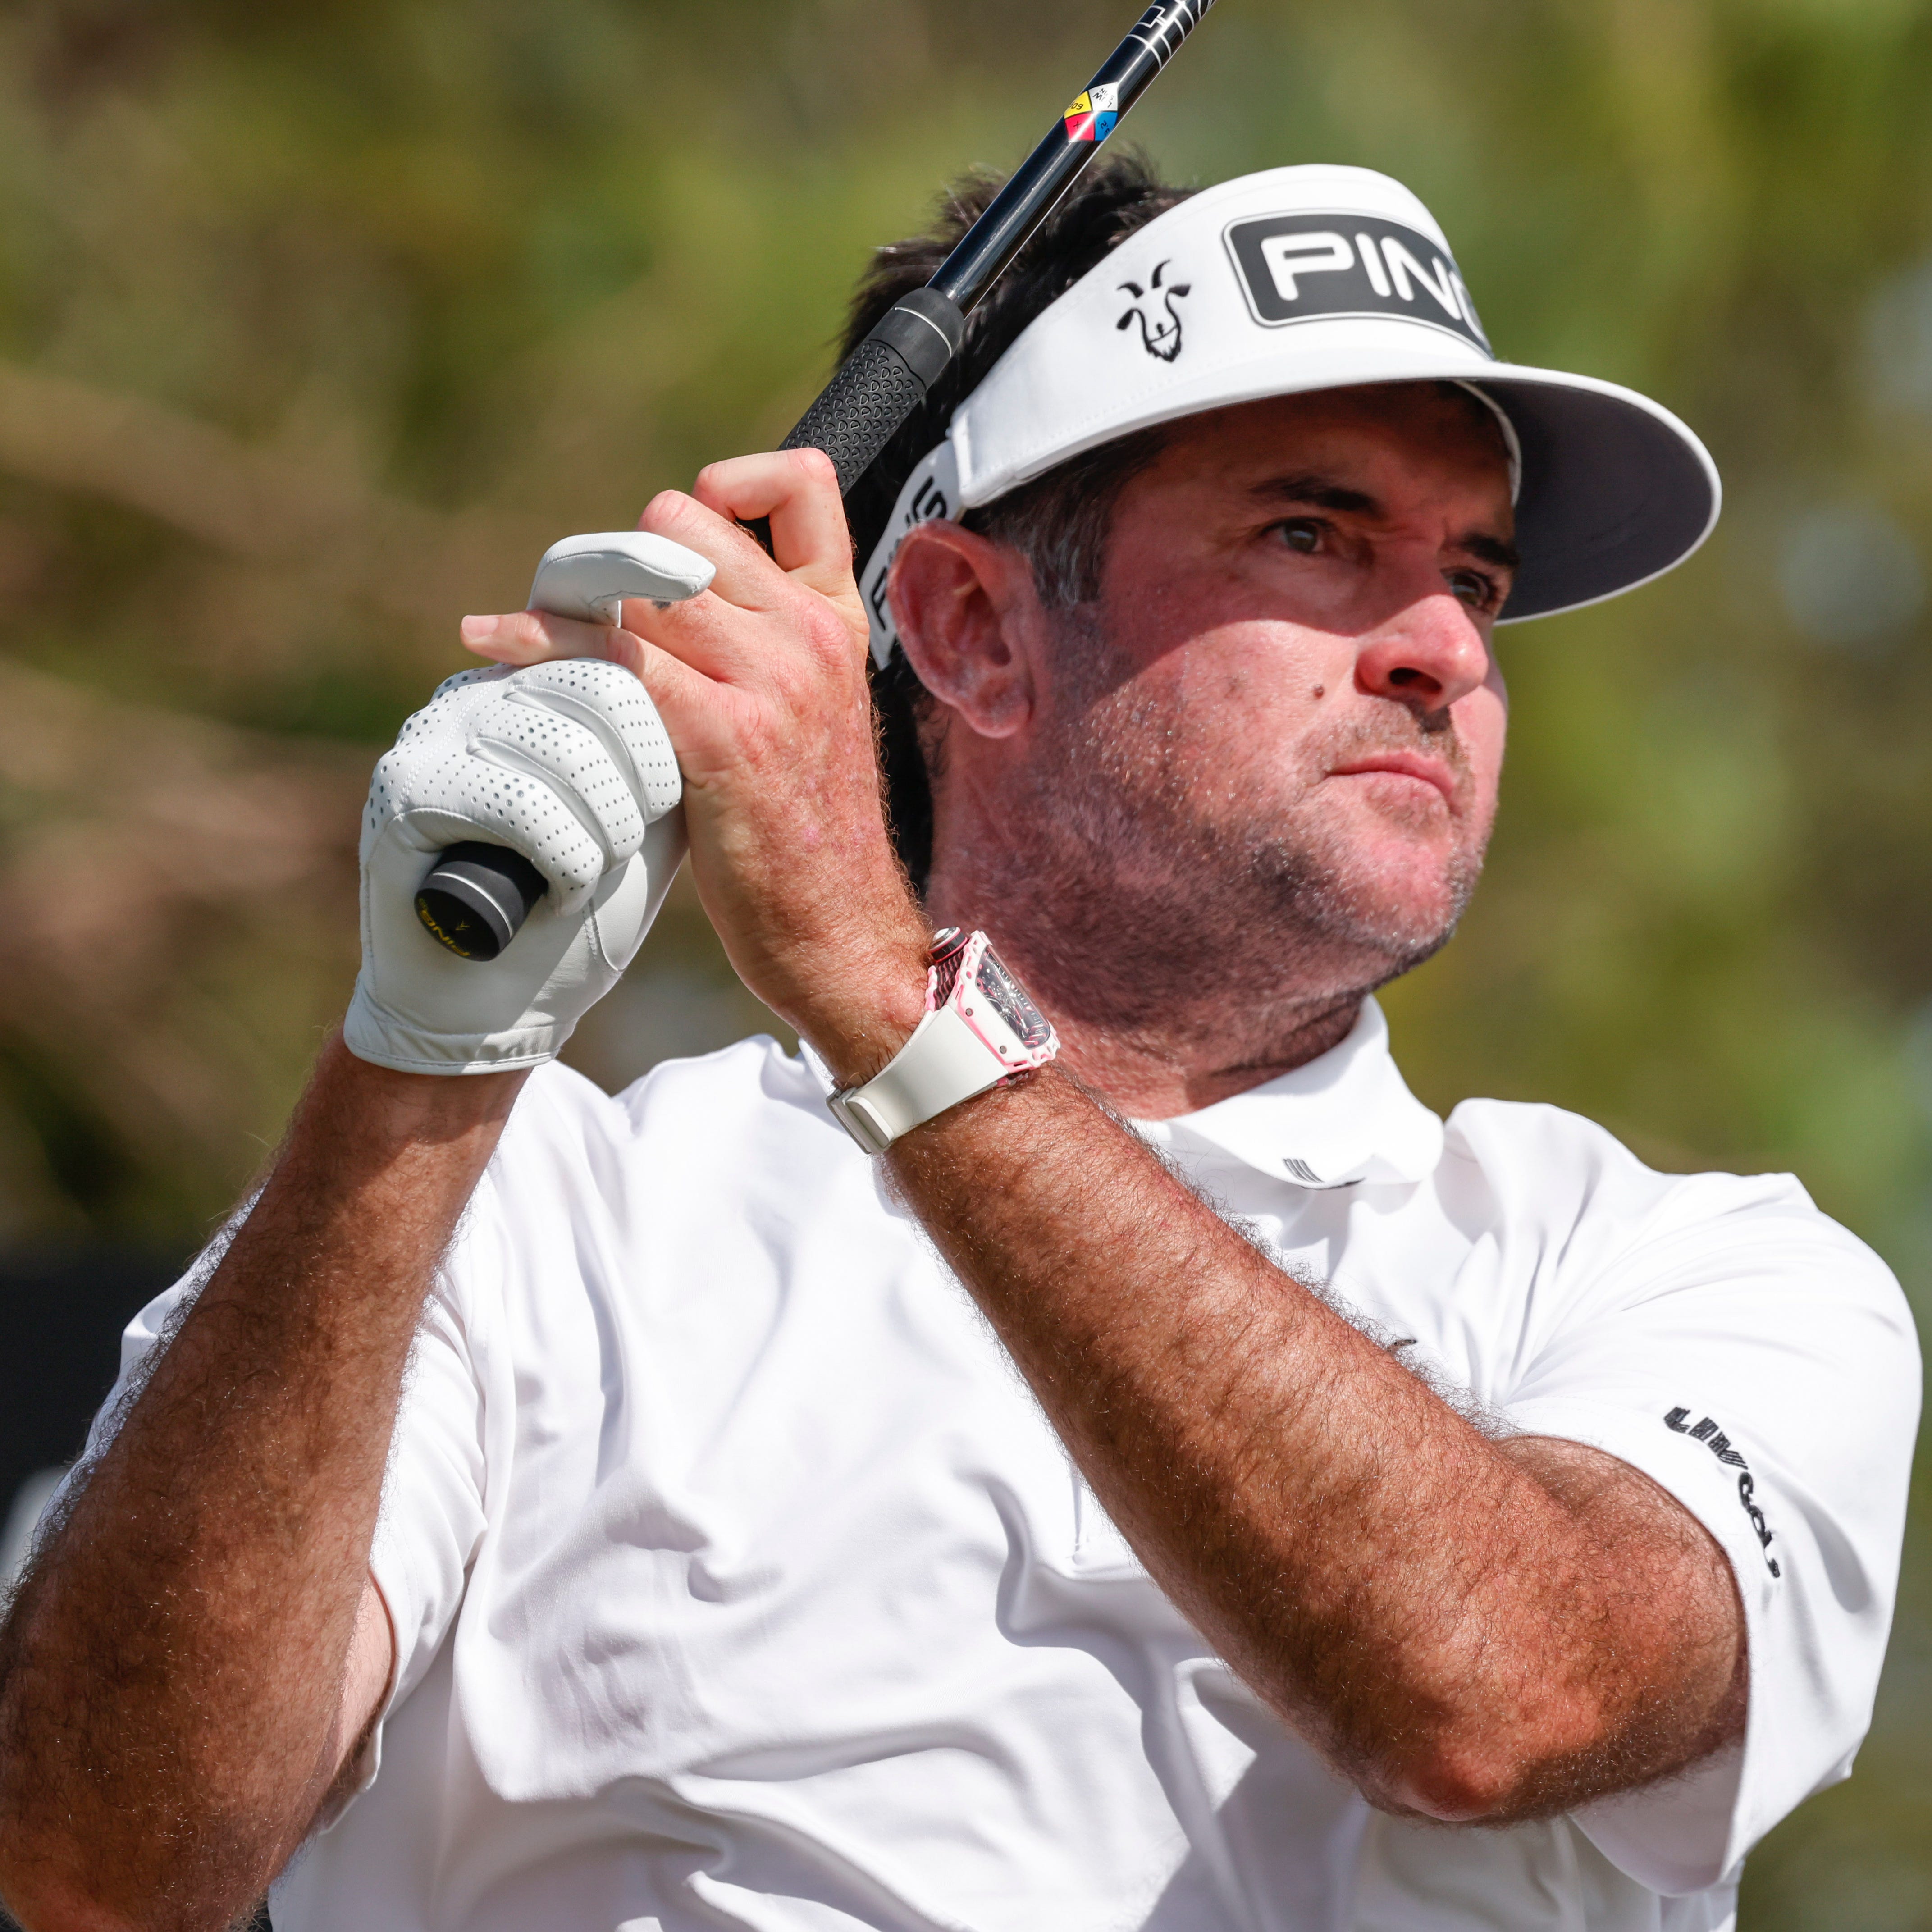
x,y
172,1670
1431,1607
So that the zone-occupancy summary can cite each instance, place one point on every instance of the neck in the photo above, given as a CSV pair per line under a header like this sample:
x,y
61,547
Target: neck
x,y
1140,1020
1155,1079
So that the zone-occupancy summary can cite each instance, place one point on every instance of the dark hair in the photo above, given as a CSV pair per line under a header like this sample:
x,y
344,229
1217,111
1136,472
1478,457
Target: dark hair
x,y
1059,521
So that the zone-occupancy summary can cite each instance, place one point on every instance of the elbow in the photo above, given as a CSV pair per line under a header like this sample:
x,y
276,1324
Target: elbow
x,y
1491,1773
1480,1785
50,1880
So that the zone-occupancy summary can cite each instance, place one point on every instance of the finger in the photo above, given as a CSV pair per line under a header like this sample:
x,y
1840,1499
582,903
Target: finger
x,y
810,636
569,781
718,639
745,575
798,490
534,636
610,701
531,812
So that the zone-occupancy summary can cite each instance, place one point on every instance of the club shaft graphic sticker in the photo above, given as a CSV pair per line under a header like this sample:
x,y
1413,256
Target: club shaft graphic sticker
x,y
1091,116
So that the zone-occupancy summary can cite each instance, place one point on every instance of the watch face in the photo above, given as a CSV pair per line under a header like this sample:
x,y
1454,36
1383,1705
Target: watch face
x,y
1008,999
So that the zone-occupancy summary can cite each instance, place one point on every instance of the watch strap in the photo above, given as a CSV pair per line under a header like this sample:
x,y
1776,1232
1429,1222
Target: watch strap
x,y
980,1029
944,1062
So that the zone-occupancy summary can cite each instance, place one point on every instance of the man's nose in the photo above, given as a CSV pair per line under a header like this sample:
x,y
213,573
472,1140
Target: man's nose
x,y
1427,656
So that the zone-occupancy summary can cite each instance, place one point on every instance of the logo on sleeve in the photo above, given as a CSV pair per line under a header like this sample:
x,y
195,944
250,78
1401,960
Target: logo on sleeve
x,y
1154,308
1301,267
1714,1439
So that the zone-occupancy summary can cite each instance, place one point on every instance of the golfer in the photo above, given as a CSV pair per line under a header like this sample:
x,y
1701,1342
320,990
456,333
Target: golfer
x,y
1079,1446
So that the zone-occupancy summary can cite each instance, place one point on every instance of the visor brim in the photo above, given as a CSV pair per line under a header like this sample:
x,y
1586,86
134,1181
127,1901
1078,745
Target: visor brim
x,y
1616,490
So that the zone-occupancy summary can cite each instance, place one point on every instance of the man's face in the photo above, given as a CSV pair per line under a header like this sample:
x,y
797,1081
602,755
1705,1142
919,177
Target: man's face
x,y
1283,712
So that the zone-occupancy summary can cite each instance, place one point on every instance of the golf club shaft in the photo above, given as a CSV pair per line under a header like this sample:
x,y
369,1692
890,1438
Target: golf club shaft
x,y
886,377
1037,184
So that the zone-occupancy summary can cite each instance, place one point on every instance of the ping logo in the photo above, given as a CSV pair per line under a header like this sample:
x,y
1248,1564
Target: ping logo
x,y
1714,1439
1160,330
1297,268
928,502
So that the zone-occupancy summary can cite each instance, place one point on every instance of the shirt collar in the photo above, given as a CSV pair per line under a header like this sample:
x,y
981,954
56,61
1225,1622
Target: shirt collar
x,y
1345,1118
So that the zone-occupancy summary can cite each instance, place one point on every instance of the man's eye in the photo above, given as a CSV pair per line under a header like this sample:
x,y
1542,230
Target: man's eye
x,y
1473,589
1303,534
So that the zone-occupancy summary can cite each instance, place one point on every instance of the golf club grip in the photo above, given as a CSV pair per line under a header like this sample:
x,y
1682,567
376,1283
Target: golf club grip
x,y
859,411
856,414
880,385
477,897
877,388
871,394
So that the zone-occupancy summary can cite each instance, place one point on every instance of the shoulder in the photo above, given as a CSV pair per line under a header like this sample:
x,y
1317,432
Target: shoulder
x,y
756,1078
1556,1165
1554,1181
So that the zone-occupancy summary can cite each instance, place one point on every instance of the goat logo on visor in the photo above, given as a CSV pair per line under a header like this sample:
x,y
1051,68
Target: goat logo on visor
x,y
1160,330
1305,268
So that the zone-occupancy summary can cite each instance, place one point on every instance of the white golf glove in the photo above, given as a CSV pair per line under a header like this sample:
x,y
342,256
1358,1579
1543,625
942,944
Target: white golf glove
x,y
568,763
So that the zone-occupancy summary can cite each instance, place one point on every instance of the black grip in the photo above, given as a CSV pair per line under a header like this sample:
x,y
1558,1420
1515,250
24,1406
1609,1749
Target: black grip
x,y
859,410
477,896
877,388
880,383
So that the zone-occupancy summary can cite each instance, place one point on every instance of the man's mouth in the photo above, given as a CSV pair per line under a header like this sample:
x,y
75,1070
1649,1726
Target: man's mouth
x,y
1403,764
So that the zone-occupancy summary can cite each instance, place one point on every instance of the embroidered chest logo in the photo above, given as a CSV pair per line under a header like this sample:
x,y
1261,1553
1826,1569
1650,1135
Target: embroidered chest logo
x,y
1714,1439
1154,308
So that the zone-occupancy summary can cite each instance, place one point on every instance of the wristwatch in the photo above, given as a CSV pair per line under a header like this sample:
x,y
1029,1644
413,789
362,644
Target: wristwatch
x,y
979,1030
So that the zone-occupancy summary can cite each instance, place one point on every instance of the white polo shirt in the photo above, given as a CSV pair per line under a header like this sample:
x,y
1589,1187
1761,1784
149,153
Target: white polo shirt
x,y
738,1581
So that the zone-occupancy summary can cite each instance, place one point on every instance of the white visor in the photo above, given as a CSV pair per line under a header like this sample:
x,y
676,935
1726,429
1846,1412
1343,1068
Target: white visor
x,y
1308,278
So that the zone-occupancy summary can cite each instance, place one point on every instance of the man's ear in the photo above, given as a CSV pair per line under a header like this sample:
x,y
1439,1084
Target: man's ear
x,y
968,612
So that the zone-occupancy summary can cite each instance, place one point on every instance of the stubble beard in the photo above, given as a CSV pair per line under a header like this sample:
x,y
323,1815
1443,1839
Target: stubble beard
x,y
1156,906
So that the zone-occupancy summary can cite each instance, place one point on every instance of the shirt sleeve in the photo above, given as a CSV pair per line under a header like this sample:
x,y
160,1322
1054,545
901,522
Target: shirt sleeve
x,y
431,1517
1759,1363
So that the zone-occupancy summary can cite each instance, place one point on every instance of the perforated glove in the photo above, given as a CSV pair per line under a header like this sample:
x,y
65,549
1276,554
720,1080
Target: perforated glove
x,y
569,764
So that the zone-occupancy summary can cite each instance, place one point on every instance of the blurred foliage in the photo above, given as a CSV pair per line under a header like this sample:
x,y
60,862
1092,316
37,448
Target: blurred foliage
x,y
316,327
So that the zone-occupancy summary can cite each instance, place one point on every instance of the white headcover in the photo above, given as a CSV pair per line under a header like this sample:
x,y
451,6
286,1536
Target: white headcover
x,y
1307,278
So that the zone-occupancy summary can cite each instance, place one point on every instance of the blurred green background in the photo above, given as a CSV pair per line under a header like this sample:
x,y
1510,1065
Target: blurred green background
x,y
317,325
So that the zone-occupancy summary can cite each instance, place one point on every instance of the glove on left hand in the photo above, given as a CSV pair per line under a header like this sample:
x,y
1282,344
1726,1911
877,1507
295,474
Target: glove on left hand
x,y
567,762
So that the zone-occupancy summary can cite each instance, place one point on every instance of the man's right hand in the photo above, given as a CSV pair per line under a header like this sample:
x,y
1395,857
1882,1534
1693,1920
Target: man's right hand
x,y
566,763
